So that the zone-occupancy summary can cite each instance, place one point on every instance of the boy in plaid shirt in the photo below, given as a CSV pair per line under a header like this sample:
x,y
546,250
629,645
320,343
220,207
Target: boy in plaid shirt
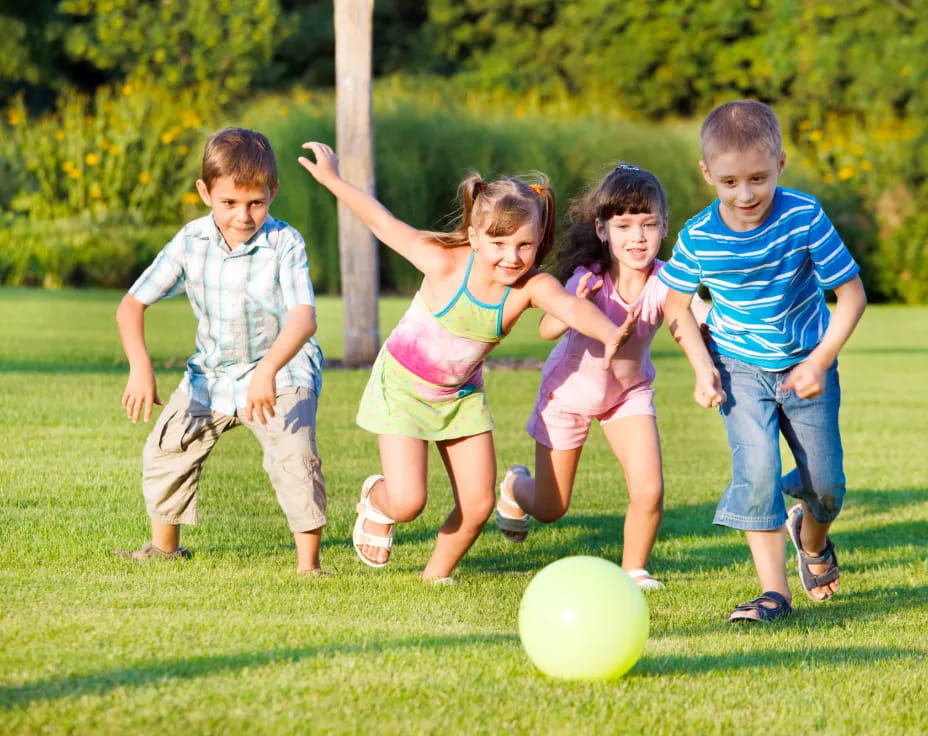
x,y
256,361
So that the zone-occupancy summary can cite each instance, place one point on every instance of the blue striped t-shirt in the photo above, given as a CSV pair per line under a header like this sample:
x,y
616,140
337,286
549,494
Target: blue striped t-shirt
x,y
240,299
767,284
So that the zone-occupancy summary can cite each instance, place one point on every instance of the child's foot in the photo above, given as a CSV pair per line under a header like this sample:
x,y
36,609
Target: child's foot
x,y
767,607
644,579
818,573
446,580
315,572
373,531
150,552
511,520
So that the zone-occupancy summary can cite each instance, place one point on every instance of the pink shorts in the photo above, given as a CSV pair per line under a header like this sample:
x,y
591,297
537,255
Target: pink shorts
x,y
558,426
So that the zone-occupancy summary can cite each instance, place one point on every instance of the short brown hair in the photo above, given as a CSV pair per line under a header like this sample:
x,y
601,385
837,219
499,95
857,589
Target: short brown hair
x,y
244,155
740,125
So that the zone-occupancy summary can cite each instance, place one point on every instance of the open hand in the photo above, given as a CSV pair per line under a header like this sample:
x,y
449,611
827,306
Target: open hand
x,y
140,396
325,167
626,329
584,290
261,397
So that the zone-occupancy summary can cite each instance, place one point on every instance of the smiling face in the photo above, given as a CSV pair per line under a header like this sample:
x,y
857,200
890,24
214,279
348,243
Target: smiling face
x,y
746,183
507,258
634,239
239,211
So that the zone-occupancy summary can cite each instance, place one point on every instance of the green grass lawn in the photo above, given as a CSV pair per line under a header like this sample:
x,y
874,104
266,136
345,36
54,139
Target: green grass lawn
x,y
232,641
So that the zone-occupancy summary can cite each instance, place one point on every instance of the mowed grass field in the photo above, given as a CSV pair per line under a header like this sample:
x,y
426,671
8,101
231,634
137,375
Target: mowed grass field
x,y
233,642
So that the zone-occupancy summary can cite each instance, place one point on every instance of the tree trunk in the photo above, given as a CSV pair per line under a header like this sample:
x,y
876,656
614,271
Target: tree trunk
x,y
354,142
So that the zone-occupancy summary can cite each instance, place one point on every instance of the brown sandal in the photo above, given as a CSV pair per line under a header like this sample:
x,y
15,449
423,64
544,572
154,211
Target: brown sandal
x,y
150,552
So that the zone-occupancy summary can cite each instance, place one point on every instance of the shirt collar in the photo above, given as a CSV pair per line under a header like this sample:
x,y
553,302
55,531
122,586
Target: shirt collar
x,y
208,229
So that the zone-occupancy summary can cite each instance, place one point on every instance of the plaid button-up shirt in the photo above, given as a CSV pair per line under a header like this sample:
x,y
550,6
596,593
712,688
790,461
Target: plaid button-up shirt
x,y
240,299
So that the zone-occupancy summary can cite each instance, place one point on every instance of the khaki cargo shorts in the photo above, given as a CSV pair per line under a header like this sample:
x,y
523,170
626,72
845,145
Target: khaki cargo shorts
x,y
186,432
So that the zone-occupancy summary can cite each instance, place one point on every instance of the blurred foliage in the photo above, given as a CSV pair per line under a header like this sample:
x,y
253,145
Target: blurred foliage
x,y
125,149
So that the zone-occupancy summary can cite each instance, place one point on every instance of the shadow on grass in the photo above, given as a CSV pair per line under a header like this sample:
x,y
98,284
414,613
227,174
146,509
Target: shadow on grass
x,y
150,673
767,659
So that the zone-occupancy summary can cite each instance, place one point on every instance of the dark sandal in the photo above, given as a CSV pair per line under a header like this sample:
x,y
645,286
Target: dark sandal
x,y
150,552
809,579
764,614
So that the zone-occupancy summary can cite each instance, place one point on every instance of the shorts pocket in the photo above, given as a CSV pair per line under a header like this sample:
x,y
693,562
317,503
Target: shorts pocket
x,y
181,429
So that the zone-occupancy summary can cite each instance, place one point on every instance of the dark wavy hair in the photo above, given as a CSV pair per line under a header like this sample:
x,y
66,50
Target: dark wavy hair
x,y
627,189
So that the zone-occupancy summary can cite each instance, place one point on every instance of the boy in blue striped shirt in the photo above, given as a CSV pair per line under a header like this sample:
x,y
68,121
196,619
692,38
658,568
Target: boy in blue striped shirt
x,y
256,362
767,254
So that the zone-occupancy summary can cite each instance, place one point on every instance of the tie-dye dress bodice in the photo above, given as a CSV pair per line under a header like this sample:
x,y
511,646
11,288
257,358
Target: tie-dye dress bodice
x,y
430,364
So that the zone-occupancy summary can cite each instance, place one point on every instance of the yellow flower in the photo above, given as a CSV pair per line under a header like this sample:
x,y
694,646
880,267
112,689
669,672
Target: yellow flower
x,y
59,135
815,135
126,90
96,192
866,165
183,150
92,159
845,173
190,198
74,173
144,177
805,124
167,137
67,166
13,116
283,110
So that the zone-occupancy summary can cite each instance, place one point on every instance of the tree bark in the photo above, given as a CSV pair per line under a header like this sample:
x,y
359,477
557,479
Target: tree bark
x,y
354,142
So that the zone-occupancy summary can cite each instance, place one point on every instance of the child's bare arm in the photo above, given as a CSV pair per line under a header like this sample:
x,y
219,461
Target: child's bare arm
x,y
388,229
299,326
683,326
141,392
580,314
550,327
807,378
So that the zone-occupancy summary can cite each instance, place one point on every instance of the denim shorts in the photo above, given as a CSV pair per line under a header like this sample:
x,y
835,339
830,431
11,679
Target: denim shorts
x,y
756,411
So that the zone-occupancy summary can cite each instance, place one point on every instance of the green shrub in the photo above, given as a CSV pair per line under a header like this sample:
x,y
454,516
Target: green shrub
x,y
79,251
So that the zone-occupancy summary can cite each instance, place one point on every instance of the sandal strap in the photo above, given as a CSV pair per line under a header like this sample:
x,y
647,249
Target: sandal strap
x,y
374,540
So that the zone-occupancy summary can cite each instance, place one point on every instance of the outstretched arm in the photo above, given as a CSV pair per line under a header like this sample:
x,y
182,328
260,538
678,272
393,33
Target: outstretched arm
x,y
141,392
299,326
807,378
392,232
550,327
580,314
685,331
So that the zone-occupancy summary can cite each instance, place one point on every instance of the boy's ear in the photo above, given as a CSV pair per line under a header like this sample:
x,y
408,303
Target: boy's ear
x,y
204,192
703,167
781,162
273,193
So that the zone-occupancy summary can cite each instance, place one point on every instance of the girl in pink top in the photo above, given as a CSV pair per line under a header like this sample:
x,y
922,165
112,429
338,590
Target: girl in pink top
x,y
426,385
611,260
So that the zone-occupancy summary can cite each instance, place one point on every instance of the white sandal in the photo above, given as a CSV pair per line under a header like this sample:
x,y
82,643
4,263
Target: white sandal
x,y
366,512
507,523
644,579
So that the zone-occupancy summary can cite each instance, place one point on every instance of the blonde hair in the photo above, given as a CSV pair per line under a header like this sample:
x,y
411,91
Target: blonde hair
x,y
740,125
244,155
501,207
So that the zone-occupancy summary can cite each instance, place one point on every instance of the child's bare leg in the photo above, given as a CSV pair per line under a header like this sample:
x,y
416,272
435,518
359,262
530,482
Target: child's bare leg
x,y
471,466
165,537
768,548
636,444
546,497
307,549
813,535
403,492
